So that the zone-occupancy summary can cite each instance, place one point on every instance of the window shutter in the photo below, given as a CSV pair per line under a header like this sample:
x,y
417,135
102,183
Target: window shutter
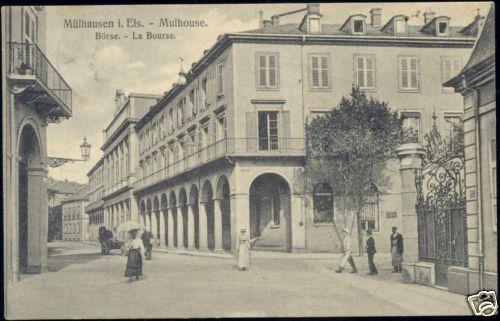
x,y
273,71
414,73
404,73
262,70
360,72
493,152
315,71
369,72
285,125
251,128
324,72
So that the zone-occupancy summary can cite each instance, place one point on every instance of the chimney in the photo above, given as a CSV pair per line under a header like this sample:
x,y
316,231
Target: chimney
x,y
428,16
313,8
267,24
376,17
275,20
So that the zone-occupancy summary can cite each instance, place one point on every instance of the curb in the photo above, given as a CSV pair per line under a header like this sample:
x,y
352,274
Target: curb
x,y
195,253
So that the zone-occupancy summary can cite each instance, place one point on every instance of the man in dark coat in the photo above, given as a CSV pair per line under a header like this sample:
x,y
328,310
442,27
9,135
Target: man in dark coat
x,y
146,240
396,249
370,250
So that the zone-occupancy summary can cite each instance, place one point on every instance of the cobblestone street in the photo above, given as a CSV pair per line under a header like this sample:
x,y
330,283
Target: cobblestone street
x,y
83,283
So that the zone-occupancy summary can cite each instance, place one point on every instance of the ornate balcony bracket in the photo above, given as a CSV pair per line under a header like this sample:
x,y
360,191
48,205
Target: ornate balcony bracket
x,y
58,161
18,89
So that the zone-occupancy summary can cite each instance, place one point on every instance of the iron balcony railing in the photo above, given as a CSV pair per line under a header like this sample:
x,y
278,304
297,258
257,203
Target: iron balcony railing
x,y
226,147
28,59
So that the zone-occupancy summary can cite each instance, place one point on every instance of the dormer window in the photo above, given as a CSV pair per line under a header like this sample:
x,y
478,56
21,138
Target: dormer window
x,y
401,27
314,26
359,26
442,28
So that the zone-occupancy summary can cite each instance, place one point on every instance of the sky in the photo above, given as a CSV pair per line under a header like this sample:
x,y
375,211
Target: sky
x,y
95,69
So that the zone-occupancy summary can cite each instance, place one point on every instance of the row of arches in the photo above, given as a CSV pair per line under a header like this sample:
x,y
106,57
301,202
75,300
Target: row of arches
x,y
194,219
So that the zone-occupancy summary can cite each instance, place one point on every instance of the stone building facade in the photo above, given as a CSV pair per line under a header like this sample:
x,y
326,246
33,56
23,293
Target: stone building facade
x,y
34,94
94,209
224,148
75,222
120,151
477,84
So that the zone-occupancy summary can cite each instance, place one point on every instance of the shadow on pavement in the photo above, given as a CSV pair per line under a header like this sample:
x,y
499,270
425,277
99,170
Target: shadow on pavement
x,y
56,263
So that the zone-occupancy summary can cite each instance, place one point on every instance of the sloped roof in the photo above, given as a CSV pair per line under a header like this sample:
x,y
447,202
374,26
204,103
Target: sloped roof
x,y
81,195
335,29
63,187
485,46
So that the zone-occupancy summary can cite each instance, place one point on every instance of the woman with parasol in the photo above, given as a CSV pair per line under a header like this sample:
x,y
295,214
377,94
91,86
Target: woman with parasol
x,y
134,249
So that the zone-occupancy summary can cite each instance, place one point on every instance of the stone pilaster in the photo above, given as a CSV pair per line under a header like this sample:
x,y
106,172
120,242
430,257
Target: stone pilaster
x,y
218,224
203,227
180,229
170,228
190,217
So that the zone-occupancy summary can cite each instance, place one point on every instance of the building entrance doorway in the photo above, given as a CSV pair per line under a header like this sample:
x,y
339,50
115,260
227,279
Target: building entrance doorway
x,y
270,213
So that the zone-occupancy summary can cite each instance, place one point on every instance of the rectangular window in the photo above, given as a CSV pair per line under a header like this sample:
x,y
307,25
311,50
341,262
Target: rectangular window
x,y
411,125
171,119
192,103
493,170
29,36
359,26
314,26
443,27
365,72
452,124
221,128
268,130
204,92
319,71
450,67
400,26
409,74
267,71
220,79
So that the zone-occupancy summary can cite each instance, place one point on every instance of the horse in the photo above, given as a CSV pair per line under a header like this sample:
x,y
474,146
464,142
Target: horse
x,y
104,236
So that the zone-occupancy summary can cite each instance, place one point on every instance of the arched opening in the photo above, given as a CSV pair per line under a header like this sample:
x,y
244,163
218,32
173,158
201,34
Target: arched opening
x,y
173,208
32,252
156,212
164,206
270,212
148,215
223,193
207,197
193,201
184,212
143,212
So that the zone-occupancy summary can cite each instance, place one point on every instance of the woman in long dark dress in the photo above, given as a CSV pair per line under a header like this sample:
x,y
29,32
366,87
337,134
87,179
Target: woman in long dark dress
x,y
135,248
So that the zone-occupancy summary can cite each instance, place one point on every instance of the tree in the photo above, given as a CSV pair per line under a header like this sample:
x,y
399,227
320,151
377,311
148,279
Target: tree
x,y
349,147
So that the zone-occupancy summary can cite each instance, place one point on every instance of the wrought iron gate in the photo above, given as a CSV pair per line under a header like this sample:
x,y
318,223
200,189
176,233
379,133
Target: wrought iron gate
x,y
441,211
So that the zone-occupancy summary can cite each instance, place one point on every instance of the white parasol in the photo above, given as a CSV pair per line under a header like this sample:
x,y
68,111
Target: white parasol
x,y
128,226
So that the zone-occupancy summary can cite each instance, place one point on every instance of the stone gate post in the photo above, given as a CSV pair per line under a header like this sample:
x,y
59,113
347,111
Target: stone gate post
x,y
410,156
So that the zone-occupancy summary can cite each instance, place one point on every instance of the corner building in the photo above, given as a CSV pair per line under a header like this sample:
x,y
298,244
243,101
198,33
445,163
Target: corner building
x,y
224,149
120,150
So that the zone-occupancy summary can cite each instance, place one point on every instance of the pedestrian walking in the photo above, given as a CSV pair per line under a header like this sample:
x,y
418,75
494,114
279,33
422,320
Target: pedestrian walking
x,y
245,243
396,249
346,250
146,240
370,251
134,250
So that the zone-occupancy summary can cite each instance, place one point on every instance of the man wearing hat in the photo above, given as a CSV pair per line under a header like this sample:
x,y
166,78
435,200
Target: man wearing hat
x,y
346,249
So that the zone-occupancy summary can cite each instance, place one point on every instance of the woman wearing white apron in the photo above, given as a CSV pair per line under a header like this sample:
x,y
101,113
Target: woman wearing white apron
x,y
245,244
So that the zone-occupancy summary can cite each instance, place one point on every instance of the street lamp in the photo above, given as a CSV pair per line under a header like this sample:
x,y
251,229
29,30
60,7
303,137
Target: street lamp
x,y
58,161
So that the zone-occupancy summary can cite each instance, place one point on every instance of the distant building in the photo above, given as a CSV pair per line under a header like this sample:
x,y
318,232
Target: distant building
x,y
34,95
477,84
224,149
74,220
59,190
95,209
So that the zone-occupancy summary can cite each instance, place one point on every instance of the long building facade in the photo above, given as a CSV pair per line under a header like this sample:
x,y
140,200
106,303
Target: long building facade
x,y
94,209
34,95
224,149
75,223
120,151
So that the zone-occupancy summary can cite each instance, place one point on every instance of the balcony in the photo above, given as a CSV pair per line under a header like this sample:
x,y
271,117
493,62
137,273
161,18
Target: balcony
x,y
234,147
39,84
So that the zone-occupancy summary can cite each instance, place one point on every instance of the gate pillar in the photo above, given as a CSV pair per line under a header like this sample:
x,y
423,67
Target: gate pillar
x,y
410,156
